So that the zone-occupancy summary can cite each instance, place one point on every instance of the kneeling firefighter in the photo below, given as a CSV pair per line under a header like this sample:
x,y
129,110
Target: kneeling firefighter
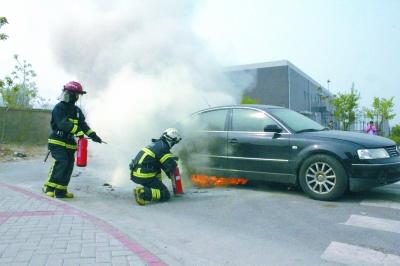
x,y
67,122
147,165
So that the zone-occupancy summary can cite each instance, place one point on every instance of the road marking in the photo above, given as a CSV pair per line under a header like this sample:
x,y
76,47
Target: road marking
x,y
382,203
354,255
374,223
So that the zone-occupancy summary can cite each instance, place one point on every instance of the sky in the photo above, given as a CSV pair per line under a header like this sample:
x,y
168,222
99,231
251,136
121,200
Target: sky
x,y
147,64
343,41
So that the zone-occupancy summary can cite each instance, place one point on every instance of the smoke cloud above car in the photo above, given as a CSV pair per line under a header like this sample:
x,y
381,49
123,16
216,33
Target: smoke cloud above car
x,y
144,69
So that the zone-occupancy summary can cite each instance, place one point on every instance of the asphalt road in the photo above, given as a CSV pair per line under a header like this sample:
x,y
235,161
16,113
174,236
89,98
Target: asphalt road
x,y
252,225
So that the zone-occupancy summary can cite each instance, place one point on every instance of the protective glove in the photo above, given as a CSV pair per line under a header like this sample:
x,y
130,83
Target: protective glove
x,y
95,138
80,134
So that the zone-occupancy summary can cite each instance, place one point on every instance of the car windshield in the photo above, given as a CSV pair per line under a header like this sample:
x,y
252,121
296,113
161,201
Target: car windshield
x,y
295,120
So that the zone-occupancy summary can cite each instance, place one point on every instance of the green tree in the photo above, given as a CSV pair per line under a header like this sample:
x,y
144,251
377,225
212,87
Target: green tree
x,y
9,92
248,100
3,21
346,106
382,110
396,130
395,133
19,90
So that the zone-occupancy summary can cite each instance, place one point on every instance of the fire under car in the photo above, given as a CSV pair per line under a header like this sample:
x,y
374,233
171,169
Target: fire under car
x,y
276,144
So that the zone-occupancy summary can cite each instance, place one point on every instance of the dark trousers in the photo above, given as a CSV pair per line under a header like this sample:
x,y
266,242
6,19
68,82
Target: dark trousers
x,y
61,171
154,189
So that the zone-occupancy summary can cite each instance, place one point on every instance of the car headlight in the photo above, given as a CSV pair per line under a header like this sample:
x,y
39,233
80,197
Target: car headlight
x,y
373,154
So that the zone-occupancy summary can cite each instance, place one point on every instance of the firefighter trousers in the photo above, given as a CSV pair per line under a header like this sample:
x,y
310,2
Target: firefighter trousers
x,y
154,189
61,170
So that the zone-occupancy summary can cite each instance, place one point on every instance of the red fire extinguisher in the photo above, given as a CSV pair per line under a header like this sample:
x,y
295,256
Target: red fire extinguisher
x,y
177,182
81,155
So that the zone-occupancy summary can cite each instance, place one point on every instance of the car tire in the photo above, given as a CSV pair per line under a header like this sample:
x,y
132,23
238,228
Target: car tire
x,y
323,177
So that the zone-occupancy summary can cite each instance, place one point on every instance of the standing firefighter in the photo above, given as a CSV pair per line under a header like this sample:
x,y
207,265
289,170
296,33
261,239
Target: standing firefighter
x,y
147,165
67,122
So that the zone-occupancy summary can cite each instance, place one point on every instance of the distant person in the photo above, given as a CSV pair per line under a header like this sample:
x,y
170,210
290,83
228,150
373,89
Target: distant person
x,y
330,125
371,129
147,165
67,122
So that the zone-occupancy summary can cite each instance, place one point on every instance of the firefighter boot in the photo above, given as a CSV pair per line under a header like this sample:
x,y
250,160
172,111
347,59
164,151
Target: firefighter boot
x,y
139,193
49,191
63,194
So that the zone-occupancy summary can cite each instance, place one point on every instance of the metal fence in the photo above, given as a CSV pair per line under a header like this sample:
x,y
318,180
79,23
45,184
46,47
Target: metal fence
x,y
360,124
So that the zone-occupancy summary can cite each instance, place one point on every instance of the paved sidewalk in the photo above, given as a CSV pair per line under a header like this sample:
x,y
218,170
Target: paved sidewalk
x,y
37,230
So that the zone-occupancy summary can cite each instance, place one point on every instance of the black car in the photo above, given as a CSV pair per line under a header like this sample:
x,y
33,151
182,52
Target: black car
x,y
271,143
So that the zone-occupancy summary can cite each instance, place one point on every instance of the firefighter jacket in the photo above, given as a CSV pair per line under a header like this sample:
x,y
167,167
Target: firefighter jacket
x,y
149,162
67,121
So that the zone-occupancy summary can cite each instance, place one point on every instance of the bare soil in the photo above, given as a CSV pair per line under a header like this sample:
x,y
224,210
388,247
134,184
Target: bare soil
x,y
16,152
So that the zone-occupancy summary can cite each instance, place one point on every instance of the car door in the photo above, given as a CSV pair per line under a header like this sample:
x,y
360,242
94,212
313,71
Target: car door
x,y
209,142
254,153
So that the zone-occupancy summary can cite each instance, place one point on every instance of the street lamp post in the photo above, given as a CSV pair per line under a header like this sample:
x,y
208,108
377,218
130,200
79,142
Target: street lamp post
x,y
328,81
330,112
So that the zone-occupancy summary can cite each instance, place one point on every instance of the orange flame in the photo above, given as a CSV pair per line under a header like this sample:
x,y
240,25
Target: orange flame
x,y
214,181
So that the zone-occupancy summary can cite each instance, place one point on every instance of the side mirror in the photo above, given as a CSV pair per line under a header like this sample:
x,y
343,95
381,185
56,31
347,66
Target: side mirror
x,y
272,128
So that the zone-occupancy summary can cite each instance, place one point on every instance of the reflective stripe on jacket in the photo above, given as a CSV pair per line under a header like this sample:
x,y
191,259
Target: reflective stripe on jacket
x,y
61,143
152,159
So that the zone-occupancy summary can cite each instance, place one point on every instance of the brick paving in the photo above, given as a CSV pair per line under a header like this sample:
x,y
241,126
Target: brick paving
x,y
37,230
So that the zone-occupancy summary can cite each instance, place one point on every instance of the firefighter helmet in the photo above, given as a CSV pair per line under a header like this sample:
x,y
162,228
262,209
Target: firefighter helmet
x,y
74,87
172,136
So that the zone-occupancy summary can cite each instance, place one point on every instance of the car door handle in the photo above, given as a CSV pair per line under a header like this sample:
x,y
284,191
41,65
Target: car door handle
x,y
233,141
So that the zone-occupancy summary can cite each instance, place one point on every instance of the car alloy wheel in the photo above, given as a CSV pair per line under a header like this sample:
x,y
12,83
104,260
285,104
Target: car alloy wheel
x,y
323,177
320,178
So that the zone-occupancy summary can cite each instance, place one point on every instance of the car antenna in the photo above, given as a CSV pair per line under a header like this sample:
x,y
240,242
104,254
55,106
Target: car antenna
x,y
204,98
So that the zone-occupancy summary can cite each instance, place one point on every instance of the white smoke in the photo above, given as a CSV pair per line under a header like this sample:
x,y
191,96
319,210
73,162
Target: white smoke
x,y
144,70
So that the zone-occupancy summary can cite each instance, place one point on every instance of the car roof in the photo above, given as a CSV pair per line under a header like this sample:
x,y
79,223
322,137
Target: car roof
x,y
257,106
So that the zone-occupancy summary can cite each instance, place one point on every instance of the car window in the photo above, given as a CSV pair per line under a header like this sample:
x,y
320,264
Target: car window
x,y
212,120
250,120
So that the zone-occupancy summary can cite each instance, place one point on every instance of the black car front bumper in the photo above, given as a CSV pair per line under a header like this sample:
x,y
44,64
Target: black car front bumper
x,y
366,176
